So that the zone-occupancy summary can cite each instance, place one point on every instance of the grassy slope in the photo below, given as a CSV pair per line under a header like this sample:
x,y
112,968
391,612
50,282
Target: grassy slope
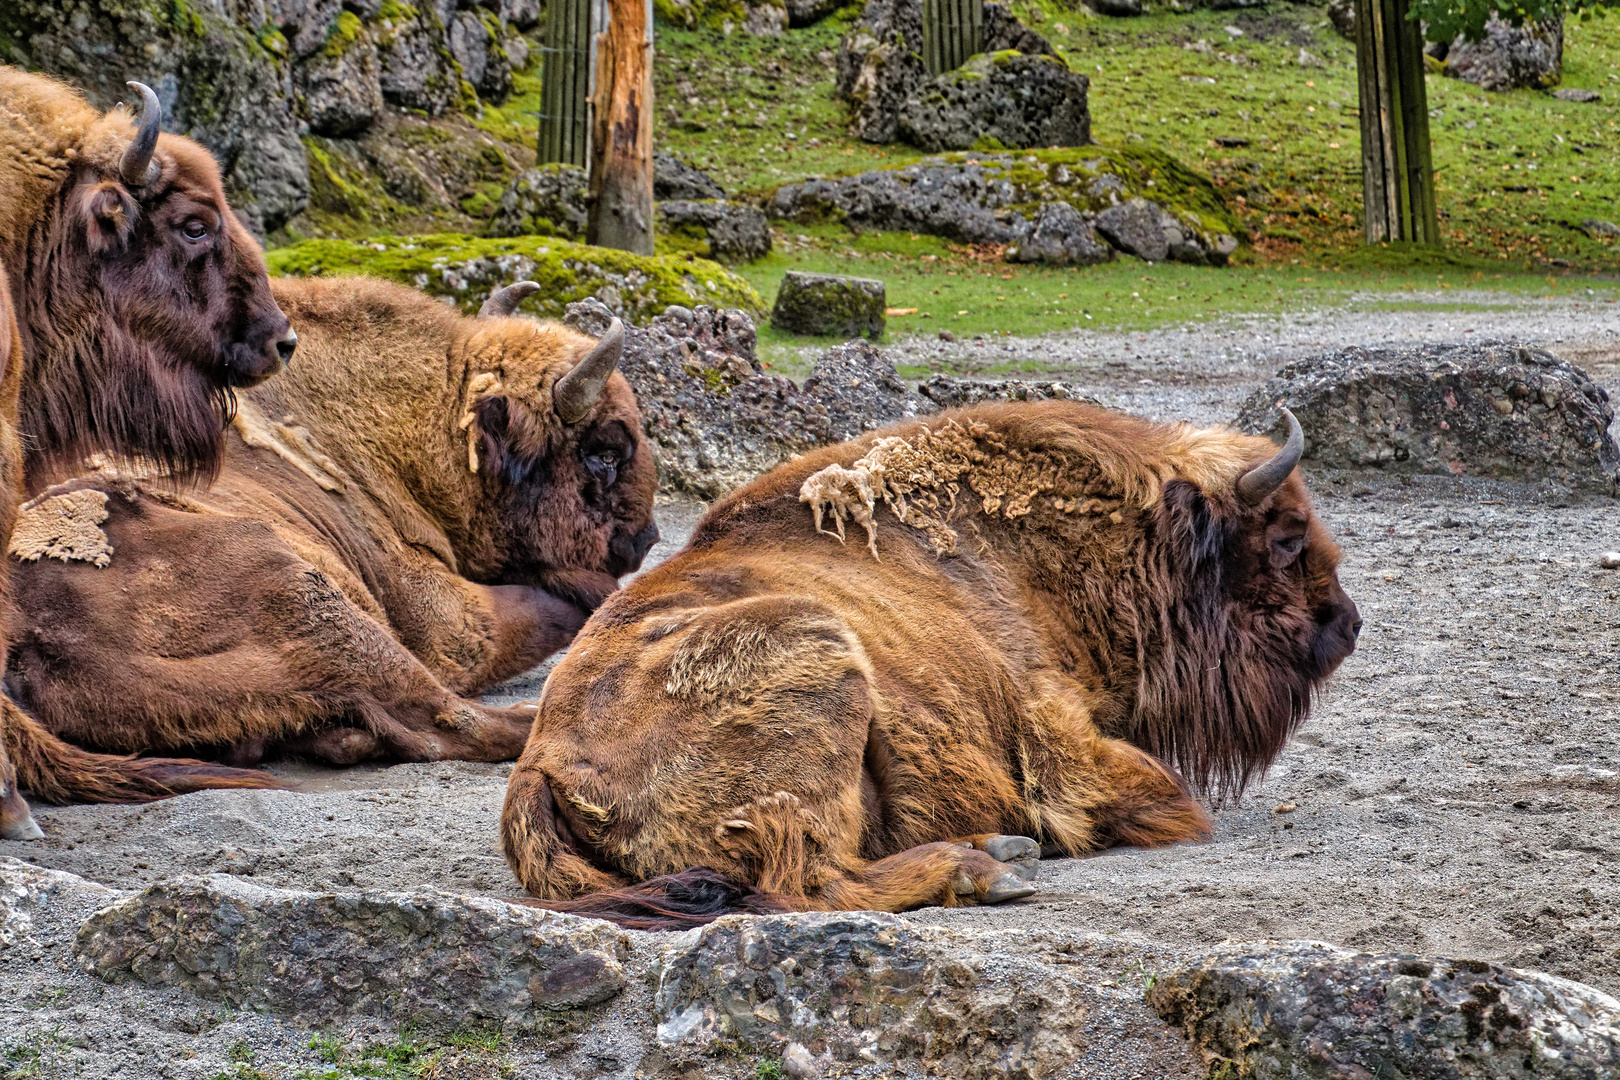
x,y
758,112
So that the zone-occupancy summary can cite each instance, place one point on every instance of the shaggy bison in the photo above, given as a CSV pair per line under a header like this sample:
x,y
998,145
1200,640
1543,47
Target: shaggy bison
x,y
423,505
140,304
895,672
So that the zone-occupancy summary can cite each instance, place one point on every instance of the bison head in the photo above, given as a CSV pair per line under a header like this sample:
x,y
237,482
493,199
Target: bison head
x,y
567,478
1241,621
143,303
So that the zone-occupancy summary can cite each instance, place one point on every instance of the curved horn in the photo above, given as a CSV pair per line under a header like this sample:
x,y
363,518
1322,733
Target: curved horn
x,y
503,302
575,393
137,163
1260,481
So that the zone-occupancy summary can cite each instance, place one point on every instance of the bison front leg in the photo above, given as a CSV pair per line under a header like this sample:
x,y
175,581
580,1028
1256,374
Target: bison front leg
x,y
785,850
16,822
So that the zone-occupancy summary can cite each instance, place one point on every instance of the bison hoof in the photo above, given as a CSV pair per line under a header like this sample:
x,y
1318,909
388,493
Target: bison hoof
x,y
1019,852
1009,886
26,829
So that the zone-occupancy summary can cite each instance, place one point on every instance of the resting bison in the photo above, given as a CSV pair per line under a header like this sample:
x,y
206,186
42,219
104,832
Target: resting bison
x,y
1035,606
140,304
425,504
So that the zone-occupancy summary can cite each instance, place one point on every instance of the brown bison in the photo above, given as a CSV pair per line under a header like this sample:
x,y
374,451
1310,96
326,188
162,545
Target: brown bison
x,y
1037,607
140,305
424,505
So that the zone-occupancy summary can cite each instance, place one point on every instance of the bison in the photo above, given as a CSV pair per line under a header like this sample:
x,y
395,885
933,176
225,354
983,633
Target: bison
x,y
896,672
141,305
424,505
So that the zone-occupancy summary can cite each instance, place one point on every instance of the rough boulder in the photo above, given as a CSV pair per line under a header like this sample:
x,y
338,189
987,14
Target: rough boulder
x,y
1496,410
734,232
1278,1010
1510,57
431,960
1013,99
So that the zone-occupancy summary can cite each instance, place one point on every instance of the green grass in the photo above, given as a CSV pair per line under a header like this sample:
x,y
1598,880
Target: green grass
x,y
467,1054
1517,170
944,281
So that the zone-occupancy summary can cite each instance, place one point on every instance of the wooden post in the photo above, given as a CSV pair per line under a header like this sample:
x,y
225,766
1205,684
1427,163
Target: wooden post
x,y
565,84
1397,161
953,30
621,173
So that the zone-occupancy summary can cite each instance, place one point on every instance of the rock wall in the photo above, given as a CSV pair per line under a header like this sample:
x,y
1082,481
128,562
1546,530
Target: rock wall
x,y
262,82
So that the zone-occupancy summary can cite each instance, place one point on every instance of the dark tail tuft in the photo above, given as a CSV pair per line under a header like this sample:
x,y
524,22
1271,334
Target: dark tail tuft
x,y
57,772
694,897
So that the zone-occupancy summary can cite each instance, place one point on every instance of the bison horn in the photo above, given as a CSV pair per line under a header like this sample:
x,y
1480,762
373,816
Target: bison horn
x,y
577,391
503,302
1260,481
137,164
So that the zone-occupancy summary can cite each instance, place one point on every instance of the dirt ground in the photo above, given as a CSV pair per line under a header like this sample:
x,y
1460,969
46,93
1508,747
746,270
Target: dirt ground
x,y
1456,791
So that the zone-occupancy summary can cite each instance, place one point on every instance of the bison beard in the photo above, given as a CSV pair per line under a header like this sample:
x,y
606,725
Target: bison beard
x,y
975,645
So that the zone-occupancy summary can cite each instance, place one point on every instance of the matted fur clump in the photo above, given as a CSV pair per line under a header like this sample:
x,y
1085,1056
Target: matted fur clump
x,y
1055,604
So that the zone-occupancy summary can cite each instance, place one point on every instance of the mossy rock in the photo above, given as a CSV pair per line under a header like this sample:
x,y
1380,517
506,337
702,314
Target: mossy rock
x,y
465,269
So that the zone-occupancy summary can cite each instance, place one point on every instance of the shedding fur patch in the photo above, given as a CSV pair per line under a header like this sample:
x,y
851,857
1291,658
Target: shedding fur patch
x,y
485,383
65,527
289,441
919,480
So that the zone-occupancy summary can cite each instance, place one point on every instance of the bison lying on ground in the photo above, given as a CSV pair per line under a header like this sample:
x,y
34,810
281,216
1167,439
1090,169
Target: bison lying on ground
x,y
1037,604
140,304
424,505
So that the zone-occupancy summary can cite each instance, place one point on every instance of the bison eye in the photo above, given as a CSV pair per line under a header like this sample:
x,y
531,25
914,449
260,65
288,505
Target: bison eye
x,y
195,229
604,466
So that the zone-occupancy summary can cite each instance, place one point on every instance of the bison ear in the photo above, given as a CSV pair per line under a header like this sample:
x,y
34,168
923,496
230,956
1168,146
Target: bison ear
x,y
108,213
1191,522
512,445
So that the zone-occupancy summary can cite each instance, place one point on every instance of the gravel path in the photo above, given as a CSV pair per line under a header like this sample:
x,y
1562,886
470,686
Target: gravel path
x,y
1456,791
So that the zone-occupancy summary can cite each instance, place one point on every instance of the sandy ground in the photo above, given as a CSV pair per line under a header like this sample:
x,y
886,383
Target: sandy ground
x,y
1457,788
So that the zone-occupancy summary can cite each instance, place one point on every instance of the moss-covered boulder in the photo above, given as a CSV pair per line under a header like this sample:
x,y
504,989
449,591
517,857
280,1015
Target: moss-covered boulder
x,y
466,269
995,198
727,231
830,305
1012,99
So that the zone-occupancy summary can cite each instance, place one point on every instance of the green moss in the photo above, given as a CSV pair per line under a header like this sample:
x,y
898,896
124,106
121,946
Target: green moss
x,y
272,40
464,268
184,18
693,14
396,11
342,34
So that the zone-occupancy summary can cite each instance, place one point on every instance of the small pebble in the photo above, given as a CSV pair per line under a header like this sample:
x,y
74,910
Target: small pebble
x,y
1286,808
946,335
1609,560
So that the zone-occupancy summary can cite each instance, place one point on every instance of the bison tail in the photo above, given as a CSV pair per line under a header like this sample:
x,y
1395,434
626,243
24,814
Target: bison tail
x,y
694,897
543,856
57,772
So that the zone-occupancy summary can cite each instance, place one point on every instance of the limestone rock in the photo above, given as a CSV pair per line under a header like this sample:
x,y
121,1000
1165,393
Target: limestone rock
x,y
879,64
1003,30
801,13
735,231
830,304
1342,14
676,179
1597,228
1060,234
476,47
864,989
342,93
857,384
1276,1010
550,200
1134,227
1117,8
1510,57
431,960
33,898
1506,411
950,392
414,72
1570,93
1020,101
766,19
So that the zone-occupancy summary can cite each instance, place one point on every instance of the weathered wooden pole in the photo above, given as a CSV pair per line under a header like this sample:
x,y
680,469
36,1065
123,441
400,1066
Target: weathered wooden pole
x,y
1397,162
621,169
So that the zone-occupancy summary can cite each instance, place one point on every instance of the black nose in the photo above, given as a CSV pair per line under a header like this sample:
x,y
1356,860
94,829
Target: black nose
x,y
645,539
287,344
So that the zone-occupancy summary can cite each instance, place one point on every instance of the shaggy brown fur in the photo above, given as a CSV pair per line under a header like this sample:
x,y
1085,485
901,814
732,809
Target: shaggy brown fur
x,y
38,760
402,518
140,307
1034,600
